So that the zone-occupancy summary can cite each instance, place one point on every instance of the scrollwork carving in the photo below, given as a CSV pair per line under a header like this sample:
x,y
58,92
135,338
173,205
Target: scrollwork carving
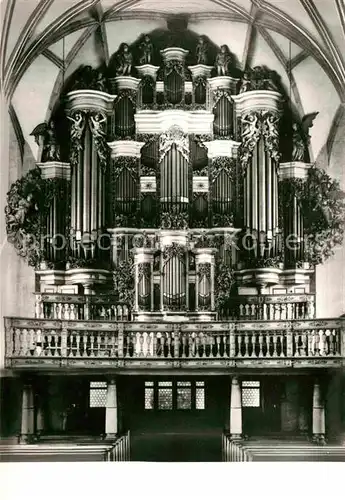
x,y
174,250
170,220
144,270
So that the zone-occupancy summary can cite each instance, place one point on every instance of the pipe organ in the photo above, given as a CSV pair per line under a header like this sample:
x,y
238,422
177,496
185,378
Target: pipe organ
x,y
180,172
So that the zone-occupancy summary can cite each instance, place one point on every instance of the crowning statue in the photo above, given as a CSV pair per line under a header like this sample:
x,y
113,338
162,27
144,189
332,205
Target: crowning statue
x,y
125,61
51,148
223,60
146,49
301,137
201,51
245,83
298,144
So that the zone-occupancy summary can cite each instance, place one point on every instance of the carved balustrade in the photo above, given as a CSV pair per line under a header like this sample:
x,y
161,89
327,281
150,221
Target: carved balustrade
x,y
269,307
81,307
136,344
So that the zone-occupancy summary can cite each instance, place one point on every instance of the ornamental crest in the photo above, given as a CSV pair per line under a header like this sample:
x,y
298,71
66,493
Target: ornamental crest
x,y
174,135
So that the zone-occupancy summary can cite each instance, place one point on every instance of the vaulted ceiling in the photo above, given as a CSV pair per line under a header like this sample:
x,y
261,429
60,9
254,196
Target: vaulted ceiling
x,y
44,41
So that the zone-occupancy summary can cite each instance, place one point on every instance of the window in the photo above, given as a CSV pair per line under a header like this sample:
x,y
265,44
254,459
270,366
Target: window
x,y
149,395
200,396
165,396
98,394
251,393
174,395
184,396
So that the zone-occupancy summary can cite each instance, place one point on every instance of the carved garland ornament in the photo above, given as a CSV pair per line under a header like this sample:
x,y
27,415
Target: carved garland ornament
x,y
322,205
28,203
170,220
174,250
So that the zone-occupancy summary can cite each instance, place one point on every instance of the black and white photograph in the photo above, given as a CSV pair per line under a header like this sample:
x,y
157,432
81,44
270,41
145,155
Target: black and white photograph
x,y
172,232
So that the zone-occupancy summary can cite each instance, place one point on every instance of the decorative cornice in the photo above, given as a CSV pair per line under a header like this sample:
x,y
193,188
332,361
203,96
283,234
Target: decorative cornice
x,y
257,100
55,169
89,100
125,148
296,169
191,122
222,147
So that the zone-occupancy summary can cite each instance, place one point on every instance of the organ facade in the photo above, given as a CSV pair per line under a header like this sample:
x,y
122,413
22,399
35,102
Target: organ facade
x,y
172,224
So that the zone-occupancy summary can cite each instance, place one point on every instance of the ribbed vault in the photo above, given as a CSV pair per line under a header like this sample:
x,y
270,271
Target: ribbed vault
x,y
302,39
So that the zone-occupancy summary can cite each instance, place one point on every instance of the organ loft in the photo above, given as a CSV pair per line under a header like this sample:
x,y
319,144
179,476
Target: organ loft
x,y
173,222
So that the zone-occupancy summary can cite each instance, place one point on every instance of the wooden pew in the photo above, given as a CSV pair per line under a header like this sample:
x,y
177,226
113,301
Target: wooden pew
x,y
54,453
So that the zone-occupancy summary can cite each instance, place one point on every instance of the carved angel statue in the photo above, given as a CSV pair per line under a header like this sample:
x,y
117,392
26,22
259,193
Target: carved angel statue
x,y
51,148
245,83
125,61
201,51
250,127
223,60
301,137
78,123
97,127
298,144
17,218
100,82
271,122
146,49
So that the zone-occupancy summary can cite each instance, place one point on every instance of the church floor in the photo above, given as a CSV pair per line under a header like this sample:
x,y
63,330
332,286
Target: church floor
x,y
176,447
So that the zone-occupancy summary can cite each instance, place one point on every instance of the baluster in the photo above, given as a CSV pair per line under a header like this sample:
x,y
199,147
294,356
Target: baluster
x,y
225,345
264,311
48,350
17,348
144,344
310,309
274,344
283,312
85,338
39,307
242,310
260,339
246,310
217,342
270,311
323,343
202,337
289,311
32,345
155,352
140,341
72,313
246,344
253,311
149,344
176,341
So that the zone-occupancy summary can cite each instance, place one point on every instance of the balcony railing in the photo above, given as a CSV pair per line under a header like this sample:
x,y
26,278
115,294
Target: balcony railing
x,y
270,307
107,307
120,344
81,307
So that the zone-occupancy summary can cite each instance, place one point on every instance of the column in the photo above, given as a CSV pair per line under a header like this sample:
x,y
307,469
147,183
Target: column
x,y
28,414
235,409
111,413
333,406
318,415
